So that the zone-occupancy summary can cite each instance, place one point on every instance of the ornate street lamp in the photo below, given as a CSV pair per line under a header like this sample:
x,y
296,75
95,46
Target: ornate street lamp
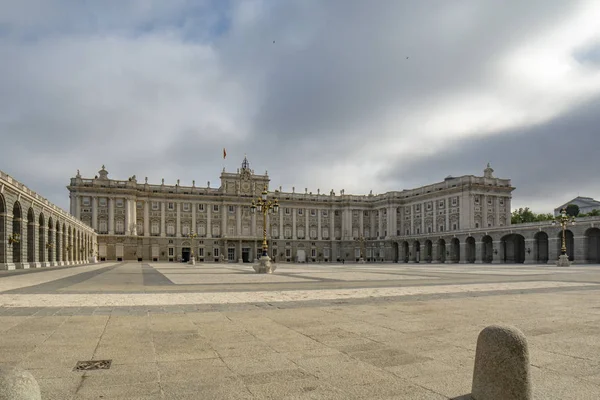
x,y
192,236
264,206
563,220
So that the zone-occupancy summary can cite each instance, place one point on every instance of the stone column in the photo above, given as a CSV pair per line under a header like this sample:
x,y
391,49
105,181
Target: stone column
x,y
147,218
224,224
127,217
553,248
497,207
78,206
361,224
209,220
163,230
178,223
435,251
319,229
412,254
423,214
478,251
529,255
95,213
254,234
294,211
238,223
447,204
281,222
579,256
111,216
462,257
133,203
194,228
306,226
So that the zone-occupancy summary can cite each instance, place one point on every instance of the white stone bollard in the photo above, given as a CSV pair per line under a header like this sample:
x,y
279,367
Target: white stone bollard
x,y
501,365
18,384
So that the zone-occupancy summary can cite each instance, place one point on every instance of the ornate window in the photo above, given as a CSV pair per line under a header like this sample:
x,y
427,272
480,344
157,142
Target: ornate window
x,y
231,209
185,229
102,226
325,213
171,228
86,201
300,233
215,207
186,206
200,207
155,228
313,212
313,233
155,206
171,205
325,233
140,227
119,227
231,230
201,230
216,230
288,232
119,202
102,201
274,231
300,211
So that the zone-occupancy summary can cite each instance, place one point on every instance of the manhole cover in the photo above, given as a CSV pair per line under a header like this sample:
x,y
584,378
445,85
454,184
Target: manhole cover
x,y
92,365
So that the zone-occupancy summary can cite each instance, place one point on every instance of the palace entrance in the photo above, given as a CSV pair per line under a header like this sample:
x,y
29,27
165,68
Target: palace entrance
x,y
246,254
185,254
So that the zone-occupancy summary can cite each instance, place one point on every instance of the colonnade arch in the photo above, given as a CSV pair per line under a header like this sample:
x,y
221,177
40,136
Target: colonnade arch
x,y
470,250
570,243
428,251
592,245
540,247
513,248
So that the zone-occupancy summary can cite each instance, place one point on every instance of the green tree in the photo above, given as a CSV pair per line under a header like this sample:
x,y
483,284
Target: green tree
x,y
572,210
544,217
594,213
522,215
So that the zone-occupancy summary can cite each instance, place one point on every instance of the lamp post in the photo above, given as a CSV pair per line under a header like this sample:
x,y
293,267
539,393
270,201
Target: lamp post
x,y
361,241
264,206
193,235
563,220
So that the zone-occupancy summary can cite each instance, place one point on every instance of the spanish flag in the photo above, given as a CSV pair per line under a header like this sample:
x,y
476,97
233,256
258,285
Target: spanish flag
x,y
224,153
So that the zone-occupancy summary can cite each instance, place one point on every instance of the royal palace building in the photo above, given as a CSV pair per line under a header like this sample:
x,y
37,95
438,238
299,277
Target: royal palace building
x,y
161,222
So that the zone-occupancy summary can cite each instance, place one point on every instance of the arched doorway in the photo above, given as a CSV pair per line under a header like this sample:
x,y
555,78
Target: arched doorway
x,y
2,230
470,249
428,251
395,248
570,242
41,238
455,250
417,251
513,247
405,251
487,249
541,247
592,244
442,250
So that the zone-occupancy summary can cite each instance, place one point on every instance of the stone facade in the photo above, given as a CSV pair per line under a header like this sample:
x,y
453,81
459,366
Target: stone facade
x,y
152,222
36,233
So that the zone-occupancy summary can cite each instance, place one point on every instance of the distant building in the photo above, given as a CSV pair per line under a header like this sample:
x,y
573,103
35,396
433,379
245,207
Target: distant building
x,y
586,205
145,221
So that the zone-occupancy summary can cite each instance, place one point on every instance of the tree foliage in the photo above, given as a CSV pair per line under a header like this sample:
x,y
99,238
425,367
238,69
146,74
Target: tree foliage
x,y
524,215
572,210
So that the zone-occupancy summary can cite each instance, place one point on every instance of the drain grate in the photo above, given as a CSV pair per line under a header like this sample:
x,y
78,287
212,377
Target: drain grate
x,y
92,365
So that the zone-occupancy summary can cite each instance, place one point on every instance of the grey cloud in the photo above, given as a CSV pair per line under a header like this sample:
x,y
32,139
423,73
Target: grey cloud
x,y
547,163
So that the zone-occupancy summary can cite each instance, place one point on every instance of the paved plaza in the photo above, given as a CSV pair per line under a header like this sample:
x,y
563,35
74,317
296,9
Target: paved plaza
x,y
309,331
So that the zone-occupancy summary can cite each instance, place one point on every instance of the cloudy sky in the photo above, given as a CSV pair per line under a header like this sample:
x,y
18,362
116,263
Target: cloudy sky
x,y
353,94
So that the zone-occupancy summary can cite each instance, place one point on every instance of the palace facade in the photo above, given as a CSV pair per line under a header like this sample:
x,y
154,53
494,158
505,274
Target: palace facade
x,y
154,222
